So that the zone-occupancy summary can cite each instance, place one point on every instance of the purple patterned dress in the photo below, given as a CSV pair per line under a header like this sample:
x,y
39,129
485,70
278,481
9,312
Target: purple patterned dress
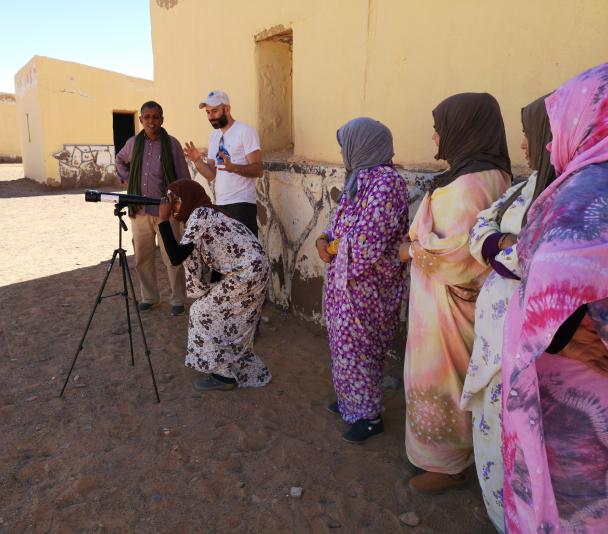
x,y
364,288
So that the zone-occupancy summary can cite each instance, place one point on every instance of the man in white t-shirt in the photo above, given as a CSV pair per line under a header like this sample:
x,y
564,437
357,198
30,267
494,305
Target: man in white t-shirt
x,y
234,160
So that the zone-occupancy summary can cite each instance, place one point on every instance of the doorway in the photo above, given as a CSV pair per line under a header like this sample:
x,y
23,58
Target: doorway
x,y
274,55
124,127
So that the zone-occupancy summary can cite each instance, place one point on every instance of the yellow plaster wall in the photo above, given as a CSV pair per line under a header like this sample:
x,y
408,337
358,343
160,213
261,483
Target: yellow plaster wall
x,y
29,116
72,103
9,129
391,59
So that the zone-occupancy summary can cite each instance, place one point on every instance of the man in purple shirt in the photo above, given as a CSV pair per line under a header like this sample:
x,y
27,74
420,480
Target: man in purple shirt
x,y
150,161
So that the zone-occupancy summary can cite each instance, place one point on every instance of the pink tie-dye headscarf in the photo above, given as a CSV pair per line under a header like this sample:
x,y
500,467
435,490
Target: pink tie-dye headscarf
x,y
563,251
578,113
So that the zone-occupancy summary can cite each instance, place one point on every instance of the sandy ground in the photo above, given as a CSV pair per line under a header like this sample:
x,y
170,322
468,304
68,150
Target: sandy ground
x,y
108,458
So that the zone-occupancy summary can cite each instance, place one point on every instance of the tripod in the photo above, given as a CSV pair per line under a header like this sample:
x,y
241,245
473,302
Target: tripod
x,y
126,276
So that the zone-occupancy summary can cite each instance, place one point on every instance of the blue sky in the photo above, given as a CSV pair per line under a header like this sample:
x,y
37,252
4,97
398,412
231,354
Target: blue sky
x,y
111,34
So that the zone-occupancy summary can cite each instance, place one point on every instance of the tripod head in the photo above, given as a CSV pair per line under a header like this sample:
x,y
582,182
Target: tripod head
x,y
120,213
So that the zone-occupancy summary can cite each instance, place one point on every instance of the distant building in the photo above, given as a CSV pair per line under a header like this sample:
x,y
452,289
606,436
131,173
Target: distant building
x,y
71,116
10,149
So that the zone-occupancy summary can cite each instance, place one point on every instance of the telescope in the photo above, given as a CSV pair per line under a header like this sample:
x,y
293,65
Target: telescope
x,y
91,195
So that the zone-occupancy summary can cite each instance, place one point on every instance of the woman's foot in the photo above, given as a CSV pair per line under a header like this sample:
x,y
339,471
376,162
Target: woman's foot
x,y
211,382
429,483
363,429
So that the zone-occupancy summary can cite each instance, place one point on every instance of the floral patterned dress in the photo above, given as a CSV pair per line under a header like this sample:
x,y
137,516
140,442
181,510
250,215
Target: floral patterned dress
x,y
364,289
224,316
483,384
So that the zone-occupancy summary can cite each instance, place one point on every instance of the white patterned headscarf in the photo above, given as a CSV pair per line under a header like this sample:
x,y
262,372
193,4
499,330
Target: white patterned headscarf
x,y
365,143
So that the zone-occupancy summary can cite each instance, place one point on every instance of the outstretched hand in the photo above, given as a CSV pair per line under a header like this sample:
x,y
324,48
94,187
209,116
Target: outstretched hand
x,y
191,152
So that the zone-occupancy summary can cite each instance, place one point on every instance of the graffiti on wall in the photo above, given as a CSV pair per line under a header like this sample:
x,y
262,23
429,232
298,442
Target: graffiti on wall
x,y
86,165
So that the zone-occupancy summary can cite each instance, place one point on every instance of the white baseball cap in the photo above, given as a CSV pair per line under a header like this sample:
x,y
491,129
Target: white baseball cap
x,y
215,98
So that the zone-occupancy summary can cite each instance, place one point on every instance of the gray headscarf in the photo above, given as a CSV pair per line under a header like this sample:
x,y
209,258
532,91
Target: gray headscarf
x,y
365,143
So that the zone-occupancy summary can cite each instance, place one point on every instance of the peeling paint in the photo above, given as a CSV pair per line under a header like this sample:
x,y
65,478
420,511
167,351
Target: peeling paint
x,y
296,202
167,4
8,98
306,296
275,33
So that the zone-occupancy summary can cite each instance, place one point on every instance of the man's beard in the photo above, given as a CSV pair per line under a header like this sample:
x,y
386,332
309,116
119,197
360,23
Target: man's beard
x,y
221,122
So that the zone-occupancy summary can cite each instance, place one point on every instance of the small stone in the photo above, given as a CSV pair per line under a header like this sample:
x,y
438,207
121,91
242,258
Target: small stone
x,y
296,492
272,329
76,378
240,484
119,330
32,398
410,519
392,382
255,499
81,385
333,523
265,319
166,431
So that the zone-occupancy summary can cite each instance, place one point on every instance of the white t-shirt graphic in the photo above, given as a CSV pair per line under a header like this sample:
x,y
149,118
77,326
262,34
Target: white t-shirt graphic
x,y
239,140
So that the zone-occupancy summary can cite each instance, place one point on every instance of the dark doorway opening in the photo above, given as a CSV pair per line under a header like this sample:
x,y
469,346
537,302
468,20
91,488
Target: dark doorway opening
x,y
124,127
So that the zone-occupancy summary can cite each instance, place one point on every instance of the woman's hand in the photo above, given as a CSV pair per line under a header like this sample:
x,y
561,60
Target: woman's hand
x,y
404,251
191,152
508,240
164,209
322,250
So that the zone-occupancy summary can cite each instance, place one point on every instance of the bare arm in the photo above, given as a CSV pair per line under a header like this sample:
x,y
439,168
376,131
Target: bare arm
x,y
208,170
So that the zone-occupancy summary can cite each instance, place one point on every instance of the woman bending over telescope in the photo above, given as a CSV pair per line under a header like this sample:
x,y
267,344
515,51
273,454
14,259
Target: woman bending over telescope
x,y
224,316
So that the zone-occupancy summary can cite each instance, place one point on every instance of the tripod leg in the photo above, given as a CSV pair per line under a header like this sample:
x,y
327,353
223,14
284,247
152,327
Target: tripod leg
x,y
141,326
122,260
97,301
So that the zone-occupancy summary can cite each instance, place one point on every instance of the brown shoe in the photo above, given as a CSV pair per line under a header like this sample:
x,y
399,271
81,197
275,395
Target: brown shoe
x,y
430,483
